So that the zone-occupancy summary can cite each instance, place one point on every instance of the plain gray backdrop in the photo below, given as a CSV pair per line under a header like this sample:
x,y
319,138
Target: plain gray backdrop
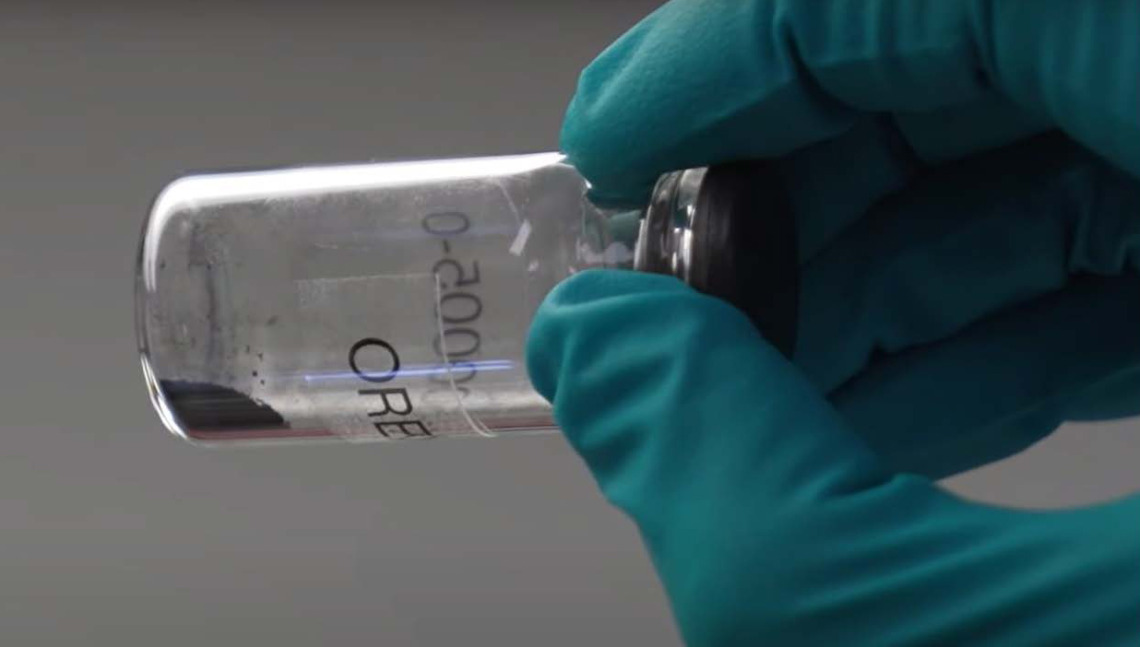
x,y
113,532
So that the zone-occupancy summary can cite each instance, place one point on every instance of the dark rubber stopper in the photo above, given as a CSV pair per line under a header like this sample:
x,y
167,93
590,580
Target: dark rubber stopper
x,y
744,247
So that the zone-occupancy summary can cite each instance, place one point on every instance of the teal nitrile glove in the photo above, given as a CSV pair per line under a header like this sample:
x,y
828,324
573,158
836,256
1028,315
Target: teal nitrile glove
x,y
964,175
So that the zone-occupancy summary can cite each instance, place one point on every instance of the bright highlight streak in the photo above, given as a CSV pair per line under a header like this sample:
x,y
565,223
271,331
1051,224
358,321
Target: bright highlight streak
x,y
415,371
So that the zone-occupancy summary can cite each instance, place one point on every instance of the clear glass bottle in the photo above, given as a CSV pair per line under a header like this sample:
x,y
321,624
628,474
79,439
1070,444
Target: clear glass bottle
x,y
392,300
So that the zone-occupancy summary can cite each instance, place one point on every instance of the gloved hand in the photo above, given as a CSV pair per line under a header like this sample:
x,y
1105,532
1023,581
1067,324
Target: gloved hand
x,y
964,174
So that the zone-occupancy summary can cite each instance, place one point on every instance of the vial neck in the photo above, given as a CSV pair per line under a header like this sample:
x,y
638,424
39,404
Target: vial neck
x,y
665,236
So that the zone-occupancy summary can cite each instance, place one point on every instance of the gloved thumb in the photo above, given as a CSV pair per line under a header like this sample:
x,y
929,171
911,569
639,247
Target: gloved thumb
x,y
655,384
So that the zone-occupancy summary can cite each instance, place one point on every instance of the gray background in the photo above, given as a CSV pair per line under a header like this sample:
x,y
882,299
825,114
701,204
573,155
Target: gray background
x,y
111,532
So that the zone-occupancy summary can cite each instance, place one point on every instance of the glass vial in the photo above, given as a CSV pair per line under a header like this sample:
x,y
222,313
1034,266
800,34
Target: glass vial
x,y
392,300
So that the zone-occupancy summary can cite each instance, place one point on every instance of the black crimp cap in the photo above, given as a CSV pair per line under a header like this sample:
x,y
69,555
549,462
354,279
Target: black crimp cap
x,y
744,247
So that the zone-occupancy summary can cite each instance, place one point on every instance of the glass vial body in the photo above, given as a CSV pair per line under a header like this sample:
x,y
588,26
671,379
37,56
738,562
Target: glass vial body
x,y
377,301
366,302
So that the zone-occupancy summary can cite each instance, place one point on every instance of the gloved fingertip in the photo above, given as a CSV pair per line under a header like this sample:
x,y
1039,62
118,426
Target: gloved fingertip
x,y
595,285
599,146
633,196
553,324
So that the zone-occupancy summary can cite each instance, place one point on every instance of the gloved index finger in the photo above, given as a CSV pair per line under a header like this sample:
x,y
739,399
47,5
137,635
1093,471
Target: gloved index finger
x,y
701,82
